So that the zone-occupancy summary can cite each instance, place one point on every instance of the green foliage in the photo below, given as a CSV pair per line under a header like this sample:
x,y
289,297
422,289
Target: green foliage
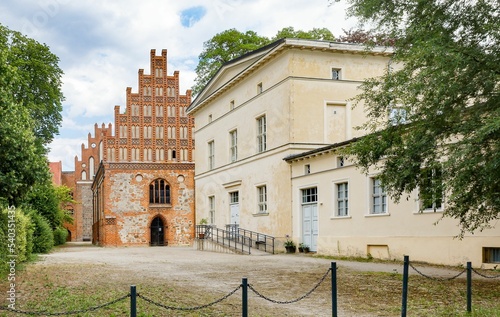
x,y
44,198
60,235
230,44
18,241
30,112
65,198
222,48
446,85
43,238
38,84
322,34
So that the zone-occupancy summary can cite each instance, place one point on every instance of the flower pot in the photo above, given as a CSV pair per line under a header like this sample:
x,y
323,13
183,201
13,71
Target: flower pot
x,y
201,236
291,249
301,249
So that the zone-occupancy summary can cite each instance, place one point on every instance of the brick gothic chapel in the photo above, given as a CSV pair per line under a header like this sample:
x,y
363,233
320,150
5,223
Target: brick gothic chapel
x,y
134,183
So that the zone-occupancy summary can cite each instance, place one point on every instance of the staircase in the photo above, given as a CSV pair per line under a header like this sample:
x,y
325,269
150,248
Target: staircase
x,y
233,239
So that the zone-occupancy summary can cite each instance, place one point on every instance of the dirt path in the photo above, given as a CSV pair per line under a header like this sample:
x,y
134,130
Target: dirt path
x,y
281,276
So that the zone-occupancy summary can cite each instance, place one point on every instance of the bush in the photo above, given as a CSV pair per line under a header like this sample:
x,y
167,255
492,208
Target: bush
x,y
20,237
43,238
60,235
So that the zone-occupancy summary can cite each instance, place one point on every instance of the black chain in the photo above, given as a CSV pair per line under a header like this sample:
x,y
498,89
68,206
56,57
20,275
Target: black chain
x,y
293,300
437,278
485,276
189,308
73,312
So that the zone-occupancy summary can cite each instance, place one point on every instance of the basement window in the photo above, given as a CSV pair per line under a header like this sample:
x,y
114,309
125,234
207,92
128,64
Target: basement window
x,y
491,255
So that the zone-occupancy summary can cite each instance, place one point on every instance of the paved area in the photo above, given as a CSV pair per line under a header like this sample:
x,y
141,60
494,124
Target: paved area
x,y
224,271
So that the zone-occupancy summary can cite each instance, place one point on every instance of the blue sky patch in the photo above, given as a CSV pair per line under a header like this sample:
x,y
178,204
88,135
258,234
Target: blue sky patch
x,y
192,15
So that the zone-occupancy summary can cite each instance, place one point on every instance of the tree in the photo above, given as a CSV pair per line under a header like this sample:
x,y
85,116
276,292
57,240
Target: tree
x,y
322,34
38,84
360,36
222,48
230,44
30,112
437,108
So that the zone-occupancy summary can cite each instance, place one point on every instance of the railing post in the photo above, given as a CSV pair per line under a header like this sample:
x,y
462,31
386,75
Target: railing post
x,y
469,287
133,301
334,289
244,297
405,285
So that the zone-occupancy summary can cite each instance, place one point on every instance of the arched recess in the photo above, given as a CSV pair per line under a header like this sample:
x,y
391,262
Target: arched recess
x,y
157,232
159,192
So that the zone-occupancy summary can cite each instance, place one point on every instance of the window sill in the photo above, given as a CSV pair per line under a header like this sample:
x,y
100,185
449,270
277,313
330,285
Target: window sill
x,y
260,214
340,217
429,211
385,214
160,205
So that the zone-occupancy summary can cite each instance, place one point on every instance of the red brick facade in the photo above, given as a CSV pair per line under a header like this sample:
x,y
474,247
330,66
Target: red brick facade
x,y
151,140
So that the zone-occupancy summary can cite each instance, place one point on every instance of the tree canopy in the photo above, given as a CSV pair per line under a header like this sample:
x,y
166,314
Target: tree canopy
x,y
437,107
232,43
30,112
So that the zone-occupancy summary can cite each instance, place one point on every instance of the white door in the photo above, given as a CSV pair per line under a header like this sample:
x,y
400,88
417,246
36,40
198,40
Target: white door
x,y
235,214
310,226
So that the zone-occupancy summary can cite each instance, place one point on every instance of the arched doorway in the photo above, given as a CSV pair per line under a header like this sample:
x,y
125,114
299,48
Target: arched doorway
x,y
157,232
68,238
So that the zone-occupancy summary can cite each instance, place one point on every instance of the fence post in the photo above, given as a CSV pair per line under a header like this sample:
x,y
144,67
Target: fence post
x,y
133,301
405,285
334,289
469,287
244,297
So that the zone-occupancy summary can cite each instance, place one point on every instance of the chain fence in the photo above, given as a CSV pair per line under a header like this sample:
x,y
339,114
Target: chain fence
x,y
293,300
72,312
485,276
437,278
189,308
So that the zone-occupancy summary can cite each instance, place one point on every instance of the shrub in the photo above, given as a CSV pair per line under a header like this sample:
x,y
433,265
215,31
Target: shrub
x,y
43,238
60,235
20,237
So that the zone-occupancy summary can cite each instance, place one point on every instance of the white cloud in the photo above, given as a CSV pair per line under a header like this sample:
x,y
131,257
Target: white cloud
x,y
102,44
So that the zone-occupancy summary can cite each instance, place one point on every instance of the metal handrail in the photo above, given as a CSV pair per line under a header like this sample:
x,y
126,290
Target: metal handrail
x,y
227,238
259,239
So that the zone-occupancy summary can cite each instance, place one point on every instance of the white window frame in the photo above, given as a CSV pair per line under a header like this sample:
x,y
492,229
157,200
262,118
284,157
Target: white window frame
x,y
211,154
433,208
380,194
233,145
336,210
336,73
211,208
262,199
261,133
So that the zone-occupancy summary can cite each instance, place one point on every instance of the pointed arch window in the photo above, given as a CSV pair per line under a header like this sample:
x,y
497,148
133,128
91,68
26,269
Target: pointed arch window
x,y
159,192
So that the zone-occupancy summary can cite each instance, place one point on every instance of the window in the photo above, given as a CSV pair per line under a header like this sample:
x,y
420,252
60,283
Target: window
x,y
397,115
211,208
159,132
491,255
233,136
211,155
307,169
159,192
147,111
123,131
148,132
135,110
310,195
234,197
379,197
342,200
209,118
231,105
262,199
259,88
431,189
340,161
159,111
261,134
335,73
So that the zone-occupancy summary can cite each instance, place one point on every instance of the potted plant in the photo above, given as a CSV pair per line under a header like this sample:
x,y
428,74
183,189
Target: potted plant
x,y
203,222
289,245
302,247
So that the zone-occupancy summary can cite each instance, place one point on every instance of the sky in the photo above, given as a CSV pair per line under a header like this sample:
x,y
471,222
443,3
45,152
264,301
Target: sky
x,y
102,44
